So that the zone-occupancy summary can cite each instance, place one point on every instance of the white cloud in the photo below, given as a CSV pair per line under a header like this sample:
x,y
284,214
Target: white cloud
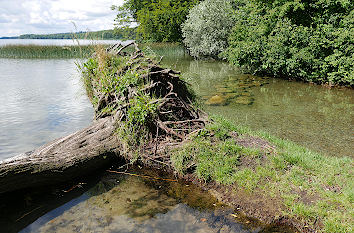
x,y
53,16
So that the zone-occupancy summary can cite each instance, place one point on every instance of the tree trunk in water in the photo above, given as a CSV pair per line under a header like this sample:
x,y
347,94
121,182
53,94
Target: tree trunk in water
x,y
62,159
140,86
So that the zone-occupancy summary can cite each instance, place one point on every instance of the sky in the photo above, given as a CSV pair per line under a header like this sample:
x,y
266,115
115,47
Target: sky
x,y
54,16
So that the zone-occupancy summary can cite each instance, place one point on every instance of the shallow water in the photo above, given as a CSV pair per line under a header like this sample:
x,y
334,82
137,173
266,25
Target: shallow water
x,y
125,203
314,116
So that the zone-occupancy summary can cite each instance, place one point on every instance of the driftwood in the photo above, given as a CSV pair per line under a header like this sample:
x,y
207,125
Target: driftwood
x,y
97,145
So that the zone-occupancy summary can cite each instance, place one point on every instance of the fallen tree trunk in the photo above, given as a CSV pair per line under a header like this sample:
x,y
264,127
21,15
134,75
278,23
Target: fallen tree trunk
x,y
62,159
140,108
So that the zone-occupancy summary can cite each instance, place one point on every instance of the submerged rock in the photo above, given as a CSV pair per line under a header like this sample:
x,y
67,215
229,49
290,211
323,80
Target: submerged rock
x,y
224,89
216,100
230,95
245,100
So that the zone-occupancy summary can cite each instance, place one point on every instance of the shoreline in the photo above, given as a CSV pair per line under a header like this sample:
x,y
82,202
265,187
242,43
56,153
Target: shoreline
x,y
310,192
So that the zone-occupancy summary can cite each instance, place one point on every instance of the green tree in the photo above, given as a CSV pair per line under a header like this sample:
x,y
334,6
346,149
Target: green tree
x,y
207,27
157,20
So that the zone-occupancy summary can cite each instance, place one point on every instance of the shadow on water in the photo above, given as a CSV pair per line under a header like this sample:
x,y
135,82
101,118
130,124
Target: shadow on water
x,y
108,202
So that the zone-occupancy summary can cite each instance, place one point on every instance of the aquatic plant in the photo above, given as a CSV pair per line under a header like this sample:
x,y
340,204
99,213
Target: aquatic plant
x,y
45,51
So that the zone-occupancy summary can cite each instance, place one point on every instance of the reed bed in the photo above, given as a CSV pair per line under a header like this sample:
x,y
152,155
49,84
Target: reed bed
x,y
45,51
166,49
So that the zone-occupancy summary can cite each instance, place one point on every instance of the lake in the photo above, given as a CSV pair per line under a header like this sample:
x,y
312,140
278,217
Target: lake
x,y
41,100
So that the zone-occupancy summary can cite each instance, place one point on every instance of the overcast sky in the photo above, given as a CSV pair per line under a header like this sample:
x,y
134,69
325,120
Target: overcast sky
x,y
52,16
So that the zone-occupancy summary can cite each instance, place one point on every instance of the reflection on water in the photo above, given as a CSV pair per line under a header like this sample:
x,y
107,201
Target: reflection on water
x,y
40,100
122,203
310,115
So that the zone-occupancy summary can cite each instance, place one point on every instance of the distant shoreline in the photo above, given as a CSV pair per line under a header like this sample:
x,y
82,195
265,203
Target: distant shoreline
x,y
110,34
9,37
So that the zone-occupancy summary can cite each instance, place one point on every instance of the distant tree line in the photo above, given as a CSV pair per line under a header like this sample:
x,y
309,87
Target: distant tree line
x,y
297,39
126,33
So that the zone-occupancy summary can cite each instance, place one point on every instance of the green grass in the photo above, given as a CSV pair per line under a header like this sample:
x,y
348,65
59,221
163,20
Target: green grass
x,y
309,185
45,51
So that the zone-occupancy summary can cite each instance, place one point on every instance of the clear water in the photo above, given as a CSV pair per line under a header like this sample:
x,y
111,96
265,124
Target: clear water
x,y
125,203
314,116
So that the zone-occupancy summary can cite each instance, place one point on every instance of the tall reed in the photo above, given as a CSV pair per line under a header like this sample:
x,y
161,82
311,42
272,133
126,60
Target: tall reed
x,y
45,51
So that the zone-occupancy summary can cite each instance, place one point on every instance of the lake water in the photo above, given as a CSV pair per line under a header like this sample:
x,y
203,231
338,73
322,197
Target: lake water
x,y
40,100
125,203
314,116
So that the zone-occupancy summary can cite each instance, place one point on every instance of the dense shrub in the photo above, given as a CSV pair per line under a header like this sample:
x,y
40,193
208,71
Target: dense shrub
x,y
207,28
307,40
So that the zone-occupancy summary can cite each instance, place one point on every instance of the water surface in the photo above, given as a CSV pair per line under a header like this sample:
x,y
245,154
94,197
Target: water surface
x,y
126,203
40,100
314,116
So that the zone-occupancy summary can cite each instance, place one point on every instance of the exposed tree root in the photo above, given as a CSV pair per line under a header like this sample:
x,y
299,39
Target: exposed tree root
x,y
176,118
91,148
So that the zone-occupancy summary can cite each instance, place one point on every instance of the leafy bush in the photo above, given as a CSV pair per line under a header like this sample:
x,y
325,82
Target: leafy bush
x,y
207,28
307,40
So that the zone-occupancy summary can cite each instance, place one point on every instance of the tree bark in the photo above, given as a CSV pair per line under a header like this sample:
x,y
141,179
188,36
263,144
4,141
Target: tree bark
x,y
62,159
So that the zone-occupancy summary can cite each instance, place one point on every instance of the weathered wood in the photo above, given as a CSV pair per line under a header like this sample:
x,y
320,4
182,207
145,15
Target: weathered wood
x,y
62,159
